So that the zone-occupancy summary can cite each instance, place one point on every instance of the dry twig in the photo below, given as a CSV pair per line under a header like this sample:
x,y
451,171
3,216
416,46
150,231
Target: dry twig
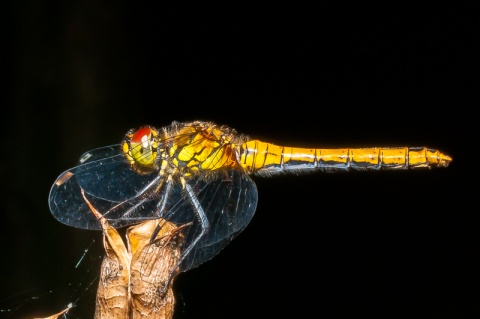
x,y
133,276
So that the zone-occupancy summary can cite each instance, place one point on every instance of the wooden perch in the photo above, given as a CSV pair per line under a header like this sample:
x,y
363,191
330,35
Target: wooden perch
x,y
133,276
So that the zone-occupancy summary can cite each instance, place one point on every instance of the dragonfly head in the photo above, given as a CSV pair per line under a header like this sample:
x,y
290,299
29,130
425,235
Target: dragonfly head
x,y
141,149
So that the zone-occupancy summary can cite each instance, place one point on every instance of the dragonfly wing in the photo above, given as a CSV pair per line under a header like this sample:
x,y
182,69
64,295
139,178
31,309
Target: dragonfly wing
x,y
100,153
105,173
108,181
67,204
228,199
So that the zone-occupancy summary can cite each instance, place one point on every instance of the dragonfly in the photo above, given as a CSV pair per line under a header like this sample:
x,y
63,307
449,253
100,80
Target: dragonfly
x,y
199,174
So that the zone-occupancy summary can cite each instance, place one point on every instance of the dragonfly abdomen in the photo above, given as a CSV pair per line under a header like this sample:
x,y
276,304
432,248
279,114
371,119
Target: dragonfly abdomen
x,y
260,157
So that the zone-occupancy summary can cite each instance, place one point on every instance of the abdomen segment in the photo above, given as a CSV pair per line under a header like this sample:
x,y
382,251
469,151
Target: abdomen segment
x,y
260,157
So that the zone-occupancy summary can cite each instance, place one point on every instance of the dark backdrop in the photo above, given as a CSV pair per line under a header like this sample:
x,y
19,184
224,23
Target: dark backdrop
x,y
80,74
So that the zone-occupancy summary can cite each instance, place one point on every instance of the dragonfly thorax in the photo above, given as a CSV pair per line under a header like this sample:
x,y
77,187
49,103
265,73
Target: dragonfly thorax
x,y
200,146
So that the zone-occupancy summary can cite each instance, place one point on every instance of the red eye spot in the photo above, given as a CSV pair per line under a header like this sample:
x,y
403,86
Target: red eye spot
x,y
137,137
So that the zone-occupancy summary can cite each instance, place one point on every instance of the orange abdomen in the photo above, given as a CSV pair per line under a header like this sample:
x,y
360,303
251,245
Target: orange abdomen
x,y
260,157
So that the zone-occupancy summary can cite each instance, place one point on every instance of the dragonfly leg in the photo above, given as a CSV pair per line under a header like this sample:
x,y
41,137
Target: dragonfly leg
x,y
161,209
204,224
136,206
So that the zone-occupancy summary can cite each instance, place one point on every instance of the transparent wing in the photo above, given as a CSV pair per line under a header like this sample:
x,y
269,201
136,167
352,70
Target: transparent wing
x,y
105,175
228,198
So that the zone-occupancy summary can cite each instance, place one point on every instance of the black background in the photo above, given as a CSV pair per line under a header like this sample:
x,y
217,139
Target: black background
x,y
382,244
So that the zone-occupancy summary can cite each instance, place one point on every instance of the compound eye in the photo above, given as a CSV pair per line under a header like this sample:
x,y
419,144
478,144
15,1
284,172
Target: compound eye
x,y
140,148
142,135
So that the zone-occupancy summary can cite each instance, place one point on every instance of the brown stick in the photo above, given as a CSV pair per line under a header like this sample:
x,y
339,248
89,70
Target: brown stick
x,y
133,276
131,279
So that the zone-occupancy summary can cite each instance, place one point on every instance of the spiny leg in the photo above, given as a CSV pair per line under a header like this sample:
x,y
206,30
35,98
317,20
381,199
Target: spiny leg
x,y
139,194
200,213
161,209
